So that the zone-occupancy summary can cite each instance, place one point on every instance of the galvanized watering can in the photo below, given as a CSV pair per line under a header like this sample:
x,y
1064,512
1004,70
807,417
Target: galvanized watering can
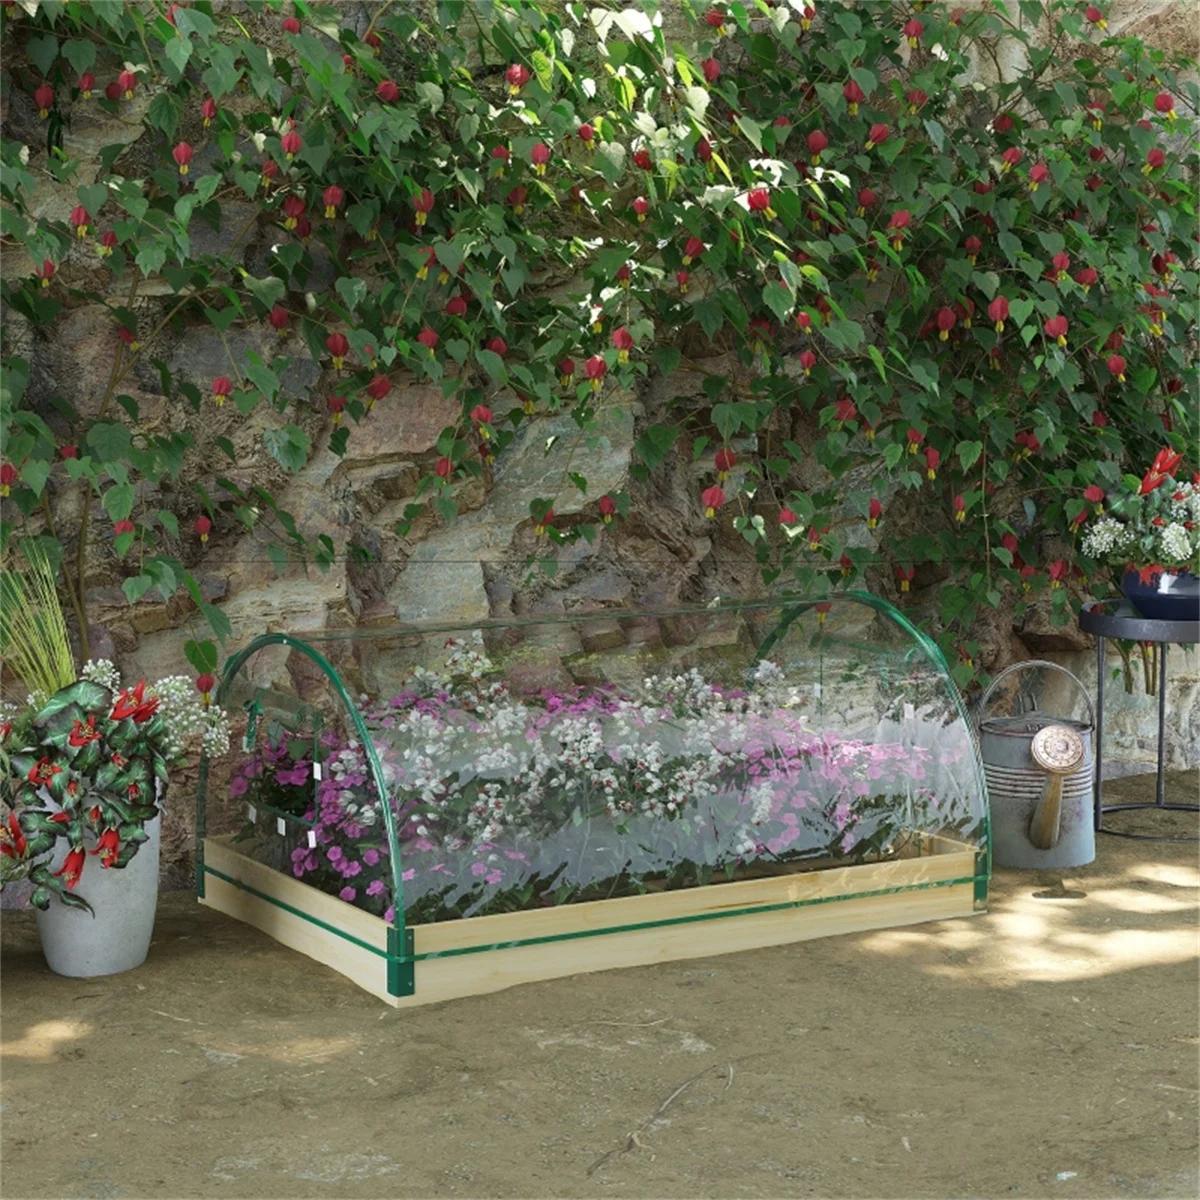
x,y
1039,771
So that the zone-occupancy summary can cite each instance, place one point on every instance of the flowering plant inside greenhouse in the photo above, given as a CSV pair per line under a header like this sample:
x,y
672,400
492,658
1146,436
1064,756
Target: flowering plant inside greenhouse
x,y
505,802
1149,525
88,764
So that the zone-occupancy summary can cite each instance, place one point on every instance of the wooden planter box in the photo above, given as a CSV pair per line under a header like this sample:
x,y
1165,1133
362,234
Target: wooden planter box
x,y
477,955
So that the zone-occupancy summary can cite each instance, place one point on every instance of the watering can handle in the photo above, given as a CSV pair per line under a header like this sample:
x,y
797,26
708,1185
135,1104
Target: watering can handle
x,y
1038,662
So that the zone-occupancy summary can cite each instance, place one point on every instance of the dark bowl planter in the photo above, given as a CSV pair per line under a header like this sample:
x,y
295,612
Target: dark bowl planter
x,y
1172,595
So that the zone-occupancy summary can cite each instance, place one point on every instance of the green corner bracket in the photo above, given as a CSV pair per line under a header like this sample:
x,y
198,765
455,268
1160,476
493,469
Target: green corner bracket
x,y
401,967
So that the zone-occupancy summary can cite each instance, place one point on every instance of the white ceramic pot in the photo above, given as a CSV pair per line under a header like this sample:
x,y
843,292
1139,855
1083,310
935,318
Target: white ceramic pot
x,y
115,936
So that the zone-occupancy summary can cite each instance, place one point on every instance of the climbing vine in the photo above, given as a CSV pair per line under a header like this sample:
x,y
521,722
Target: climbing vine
x,y
969,304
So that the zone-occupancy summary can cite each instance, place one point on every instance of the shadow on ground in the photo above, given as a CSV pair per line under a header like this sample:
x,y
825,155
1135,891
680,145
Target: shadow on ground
x,y
1047,1048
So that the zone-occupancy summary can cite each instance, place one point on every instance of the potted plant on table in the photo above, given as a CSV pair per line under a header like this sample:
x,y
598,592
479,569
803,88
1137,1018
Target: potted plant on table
x,y
85,763
1149,533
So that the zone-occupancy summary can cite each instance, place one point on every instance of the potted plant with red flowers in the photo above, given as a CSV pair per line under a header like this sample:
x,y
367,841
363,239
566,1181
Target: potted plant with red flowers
x,y
1149,532
84,772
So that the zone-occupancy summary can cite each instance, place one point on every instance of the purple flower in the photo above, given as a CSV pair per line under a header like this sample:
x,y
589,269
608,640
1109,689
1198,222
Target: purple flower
x,y
371,857
350,869
334,852
347,893
406,876
374,887
238,785
493,877
389,914
478,869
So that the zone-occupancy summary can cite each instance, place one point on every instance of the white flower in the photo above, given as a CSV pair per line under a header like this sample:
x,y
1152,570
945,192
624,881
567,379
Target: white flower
x,y
1176,544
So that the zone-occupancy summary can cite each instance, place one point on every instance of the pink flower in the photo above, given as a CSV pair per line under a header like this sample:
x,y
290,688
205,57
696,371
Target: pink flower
x,y
370,857
347,894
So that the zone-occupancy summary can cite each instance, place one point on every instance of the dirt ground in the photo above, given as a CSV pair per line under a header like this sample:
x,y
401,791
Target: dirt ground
x,y
1047,1048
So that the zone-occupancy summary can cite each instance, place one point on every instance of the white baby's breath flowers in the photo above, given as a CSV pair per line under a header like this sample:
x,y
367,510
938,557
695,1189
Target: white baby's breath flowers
x,y
103,672
1176,543
1105,536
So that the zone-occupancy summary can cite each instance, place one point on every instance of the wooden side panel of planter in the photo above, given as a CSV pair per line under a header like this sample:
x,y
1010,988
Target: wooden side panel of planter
x,y
493,970
368,970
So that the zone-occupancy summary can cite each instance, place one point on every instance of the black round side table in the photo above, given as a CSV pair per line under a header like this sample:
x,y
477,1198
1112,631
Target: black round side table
x,y
1119,619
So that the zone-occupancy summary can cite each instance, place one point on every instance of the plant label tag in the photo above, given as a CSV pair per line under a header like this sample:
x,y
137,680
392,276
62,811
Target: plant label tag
x,y
312,839
252,813
280,826
910,713
317,771
817,690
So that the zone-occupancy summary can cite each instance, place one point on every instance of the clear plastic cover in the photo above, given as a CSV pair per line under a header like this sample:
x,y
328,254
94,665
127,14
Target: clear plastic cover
x,y
535,763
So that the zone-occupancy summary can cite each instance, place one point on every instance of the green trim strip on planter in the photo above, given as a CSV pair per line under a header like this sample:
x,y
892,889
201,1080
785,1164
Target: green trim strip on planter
x,y
411,957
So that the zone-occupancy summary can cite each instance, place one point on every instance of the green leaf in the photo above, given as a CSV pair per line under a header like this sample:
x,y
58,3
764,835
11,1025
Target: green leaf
x,y
352,291
449,255
118,501
193,20
218,622
168,521
846,335
34,473
202,656
753,132
268,292
136,587
80,54
877,359
109,442
42,52
493,364
288,446
968,453
179,51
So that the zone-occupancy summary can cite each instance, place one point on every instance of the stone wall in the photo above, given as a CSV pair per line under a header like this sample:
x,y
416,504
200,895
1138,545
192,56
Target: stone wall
x,y
663,553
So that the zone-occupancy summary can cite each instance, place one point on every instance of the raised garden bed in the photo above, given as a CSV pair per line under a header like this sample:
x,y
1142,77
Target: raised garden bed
x,y
699,782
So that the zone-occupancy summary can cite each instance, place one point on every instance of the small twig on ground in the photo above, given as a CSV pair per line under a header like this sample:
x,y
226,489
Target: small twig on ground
x,y
632,1138
633,1024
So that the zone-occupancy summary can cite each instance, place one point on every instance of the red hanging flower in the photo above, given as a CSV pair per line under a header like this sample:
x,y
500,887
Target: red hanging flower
x,y
45,272
913,30
897,225
715,19
456,306
517,199
998,313
787,516
1094,494
595,369
1164,103
43,97
293,210
1058,571
278,319
333,197
80,219
87,83
845,410
874,512
208,110
933,459
905,575
1095,16
916,99
693,248
291,143
539,155
877,135
713,498
681,278
724,461
203,527
945,320
443,468
807,360
759,200
1010,158
1155,159
337,405
853,95
291,24
221,389
960,508
817,143
517,76
338,348
377,389
204,685
866,198
387,92
915,437
608,509
711,69
1116,364
1056,327
428,338
566,371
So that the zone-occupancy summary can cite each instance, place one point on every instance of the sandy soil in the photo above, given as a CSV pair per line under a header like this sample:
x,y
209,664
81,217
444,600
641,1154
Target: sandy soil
x,y
1047,1048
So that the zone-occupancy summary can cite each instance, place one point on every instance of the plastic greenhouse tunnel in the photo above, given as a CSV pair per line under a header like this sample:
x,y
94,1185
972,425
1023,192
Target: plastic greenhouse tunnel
x,y
444,810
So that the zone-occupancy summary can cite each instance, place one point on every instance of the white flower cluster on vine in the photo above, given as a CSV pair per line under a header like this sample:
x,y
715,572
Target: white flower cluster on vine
x,y
103,672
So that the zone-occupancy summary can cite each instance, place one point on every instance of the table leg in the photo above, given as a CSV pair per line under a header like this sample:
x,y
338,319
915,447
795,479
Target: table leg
x,y
1160,794
1099,727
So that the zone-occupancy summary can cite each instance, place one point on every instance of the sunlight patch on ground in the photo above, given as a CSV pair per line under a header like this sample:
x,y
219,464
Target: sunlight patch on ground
x,y
1135,900
1172,874
41,1042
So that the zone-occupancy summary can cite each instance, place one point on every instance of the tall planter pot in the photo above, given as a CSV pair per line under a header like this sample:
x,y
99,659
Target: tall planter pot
x,y
115,936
